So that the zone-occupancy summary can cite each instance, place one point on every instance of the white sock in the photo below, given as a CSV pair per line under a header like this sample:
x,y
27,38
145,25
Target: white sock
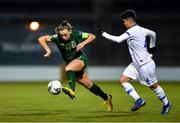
x,y
161,95
130,90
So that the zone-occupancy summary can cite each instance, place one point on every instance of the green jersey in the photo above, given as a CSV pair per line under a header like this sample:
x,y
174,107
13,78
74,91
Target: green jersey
x,y
68,48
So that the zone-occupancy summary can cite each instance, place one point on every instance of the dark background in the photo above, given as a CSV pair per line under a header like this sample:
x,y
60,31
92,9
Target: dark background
x,y
18,45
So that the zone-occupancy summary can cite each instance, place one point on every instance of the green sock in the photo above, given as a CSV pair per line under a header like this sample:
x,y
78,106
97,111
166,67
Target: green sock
x,y
97,91
71,79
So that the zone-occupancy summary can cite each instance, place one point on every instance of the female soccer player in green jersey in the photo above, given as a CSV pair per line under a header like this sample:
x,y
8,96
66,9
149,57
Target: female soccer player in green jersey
x,y
70,42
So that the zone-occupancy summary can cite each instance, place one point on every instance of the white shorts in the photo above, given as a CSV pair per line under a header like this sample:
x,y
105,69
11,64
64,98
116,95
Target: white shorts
x,y
145,74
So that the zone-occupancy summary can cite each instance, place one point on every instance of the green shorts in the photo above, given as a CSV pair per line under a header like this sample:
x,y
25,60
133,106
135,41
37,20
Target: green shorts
x,y
85,60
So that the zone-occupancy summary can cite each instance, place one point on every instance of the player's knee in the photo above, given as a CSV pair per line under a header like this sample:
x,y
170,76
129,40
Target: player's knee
x,y
67,68
121,80
154,86
88,85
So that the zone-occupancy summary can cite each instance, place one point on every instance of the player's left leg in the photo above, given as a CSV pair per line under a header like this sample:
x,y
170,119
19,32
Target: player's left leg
x,y
95,89
148,77
162,97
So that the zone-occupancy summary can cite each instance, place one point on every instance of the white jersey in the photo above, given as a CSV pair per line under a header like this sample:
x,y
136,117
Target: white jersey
x,y
136,40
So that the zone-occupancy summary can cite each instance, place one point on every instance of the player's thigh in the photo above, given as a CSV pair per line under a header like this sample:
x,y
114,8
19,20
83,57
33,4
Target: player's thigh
x,y
75,65
129,73
84,80
147,74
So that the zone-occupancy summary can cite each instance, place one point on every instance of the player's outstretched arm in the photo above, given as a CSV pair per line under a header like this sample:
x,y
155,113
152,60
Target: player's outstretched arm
x,y
43,42
89,39
113,38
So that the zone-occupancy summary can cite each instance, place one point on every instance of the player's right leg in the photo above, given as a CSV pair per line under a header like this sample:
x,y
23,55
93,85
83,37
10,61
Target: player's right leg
x,y
95,89
139,102
131,73
74,66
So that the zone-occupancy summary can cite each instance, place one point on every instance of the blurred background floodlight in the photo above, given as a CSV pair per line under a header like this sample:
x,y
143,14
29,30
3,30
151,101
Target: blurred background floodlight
x,y
34,25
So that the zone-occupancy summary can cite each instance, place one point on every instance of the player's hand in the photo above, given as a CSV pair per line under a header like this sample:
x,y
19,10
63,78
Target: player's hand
x,y
79,46
104,34
48,54
102,31
152,52
151,55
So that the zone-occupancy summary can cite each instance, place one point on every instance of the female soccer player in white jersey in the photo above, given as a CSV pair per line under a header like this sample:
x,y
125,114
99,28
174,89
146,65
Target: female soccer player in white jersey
x,y
142,67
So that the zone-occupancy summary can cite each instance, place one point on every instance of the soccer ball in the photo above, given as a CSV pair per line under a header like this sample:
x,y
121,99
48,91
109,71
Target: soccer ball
x,y
54,87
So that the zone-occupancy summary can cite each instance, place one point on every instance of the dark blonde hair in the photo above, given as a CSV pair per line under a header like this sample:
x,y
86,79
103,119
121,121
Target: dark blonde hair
x,y
64,25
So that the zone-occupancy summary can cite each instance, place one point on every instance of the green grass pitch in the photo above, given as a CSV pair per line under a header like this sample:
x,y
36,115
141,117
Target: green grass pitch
x,y
31,102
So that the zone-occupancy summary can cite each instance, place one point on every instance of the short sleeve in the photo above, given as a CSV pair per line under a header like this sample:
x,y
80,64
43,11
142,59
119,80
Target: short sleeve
x,y
83,35
54,38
